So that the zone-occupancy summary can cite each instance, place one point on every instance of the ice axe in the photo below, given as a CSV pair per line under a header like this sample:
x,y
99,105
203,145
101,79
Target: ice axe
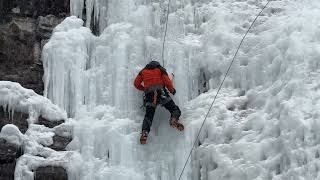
x,y
172,78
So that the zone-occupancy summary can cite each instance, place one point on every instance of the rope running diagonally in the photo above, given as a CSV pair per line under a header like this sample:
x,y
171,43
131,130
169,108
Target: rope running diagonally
x,y
234,57
165,33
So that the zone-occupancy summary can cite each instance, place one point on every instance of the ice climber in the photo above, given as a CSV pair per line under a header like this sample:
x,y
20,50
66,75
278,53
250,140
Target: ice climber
x,y
156,84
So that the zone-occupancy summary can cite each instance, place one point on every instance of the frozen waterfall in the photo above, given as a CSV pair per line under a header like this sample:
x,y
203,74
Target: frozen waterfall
x,y
264,124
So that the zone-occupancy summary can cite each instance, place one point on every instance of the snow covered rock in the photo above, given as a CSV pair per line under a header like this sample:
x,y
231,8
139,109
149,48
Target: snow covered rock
x,y
19,104
60,143
17,118
62,162
13,97
12,134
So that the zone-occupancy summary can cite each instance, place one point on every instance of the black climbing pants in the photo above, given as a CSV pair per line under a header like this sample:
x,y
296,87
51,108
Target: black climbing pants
x,y
162,98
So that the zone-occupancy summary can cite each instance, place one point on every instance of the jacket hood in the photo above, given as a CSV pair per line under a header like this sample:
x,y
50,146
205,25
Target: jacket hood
x,y
153,65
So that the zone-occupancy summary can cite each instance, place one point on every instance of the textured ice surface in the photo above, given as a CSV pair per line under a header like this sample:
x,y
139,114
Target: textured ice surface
x,y
264,124
109,146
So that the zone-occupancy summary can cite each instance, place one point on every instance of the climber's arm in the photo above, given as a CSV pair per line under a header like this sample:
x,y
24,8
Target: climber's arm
x,y
138,81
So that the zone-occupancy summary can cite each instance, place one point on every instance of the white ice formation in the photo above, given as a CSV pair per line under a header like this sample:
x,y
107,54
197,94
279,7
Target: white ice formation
x,y
12,134
13,97
35,144
264,125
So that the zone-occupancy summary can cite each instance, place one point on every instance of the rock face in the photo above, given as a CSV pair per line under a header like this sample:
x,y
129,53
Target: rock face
x,y
25,26
49,124
8,155
60,143
8,152
36,8
51,173
7,171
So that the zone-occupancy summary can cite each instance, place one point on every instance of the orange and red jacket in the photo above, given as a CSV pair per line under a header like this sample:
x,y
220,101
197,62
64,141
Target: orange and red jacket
x,y
153,77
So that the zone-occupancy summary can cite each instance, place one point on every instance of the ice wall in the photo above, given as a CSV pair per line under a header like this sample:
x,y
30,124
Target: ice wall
x,y
269,130
89,75
260,132
100,70
109,146
65,59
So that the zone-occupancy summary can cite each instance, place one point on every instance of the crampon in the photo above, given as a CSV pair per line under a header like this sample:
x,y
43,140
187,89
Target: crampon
x,y
175,124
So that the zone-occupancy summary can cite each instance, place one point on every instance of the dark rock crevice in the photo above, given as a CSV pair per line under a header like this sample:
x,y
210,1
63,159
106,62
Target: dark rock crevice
x,y
8,155
50,173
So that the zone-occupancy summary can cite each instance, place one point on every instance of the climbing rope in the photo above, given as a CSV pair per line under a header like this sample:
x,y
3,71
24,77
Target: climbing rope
x,y
165,33
194,144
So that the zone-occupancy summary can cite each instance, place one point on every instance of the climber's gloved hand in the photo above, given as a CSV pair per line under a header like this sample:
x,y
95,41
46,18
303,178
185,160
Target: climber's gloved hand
x,y
173,92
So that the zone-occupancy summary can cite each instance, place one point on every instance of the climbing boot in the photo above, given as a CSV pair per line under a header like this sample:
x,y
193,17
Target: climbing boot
x,y
175,124
144,137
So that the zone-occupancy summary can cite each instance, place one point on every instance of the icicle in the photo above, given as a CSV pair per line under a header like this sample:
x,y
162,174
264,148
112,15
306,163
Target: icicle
x,y
76,7
89,10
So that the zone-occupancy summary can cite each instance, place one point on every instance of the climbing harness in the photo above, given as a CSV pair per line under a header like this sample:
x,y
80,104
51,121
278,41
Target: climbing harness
x,y
155,97
195,142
